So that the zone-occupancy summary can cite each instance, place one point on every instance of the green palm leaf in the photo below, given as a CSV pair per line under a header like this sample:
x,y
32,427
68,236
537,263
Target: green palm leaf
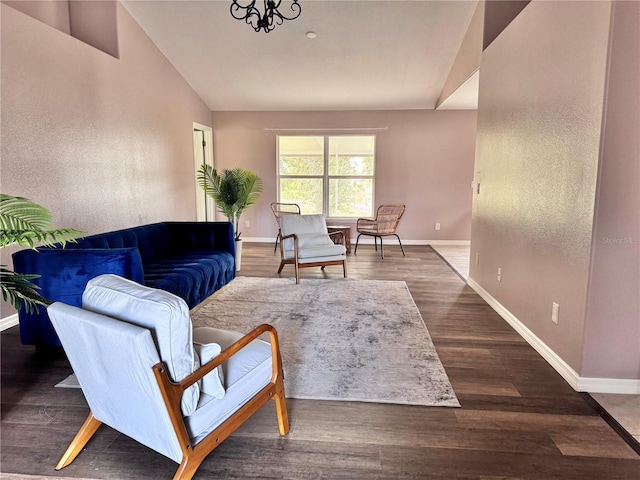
x,y
233,190
18,290
18,213
25,223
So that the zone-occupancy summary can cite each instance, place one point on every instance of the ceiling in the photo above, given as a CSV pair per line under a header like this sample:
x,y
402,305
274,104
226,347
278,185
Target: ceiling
x,y
368,55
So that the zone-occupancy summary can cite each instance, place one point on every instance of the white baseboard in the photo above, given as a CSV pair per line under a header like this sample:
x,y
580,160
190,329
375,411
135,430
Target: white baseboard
x,y
453,243
369,240
608,385
578,383
8,322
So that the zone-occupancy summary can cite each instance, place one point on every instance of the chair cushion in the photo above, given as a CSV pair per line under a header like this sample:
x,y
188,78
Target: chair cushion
x,y
313,239
312,245
164,314
213,382
300,224
113,362
245,374
321,251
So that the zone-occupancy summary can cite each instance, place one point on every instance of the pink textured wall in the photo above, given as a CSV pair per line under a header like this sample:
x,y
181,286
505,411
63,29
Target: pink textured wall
x,y
612,333
542,83
424,159
104,143
53,13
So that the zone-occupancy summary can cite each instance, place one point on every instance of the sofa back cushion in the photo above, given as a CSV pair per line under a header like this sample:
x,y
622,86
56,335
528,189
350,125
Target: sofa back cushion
x,y
164,314
152,241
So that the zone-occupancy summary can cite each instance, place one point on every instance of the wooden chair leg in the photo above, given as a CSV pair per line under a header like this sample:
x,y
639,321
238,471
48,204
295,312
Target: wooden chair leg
x,y
344,268
381,249
85,433
281,266
281,408
187,468
297,273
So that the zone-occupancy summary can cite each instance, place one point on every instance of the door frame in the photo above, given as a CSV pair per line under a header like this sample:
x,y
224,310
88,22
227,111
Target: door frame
x,y
205,206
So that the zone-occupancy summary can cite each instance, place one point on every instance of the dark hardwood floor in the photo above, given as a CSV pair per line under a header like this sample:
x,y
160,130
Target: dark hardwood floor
x,y
519,419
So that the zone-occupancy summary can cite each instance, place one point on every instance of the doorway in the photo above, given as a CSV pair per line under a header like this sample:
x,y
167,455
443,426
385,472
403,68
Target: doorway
x,y
203,154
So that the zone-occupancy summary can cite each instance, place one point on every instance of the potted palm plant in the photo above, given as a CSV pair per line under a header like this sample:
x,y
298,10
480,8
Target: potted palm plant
x,y
233,191
25,223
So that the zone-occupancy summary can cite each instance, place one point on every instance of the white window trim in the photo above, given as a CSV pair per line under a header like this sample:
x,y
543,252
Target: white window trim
x,y
326,177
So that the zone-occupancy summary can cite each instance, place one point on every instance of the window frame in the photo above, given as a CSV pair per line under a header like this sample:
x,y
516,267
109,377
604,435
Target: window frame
x,y
326,177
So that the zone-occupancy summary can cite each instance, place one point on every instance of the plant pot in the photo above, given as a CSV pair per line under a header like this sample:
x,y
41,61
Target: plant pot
x,y
238,254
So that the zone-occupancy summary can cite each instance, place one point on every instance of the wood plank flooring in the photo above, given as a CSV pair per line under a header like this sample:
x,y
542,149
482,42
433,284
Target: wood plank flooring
x,y
519,419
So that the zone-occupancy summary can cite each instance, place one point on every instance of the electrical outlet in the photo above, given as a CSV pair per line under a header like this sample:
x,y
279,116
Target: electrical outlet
x,y
499,274
437,226
555,308
477,259
247,224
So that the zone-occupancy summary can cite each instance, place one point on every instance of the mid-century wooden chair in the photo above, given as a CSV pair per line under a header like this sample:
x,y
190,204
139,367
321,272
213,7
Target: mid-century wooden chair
x,y
385,224
137,360
305,242
281,209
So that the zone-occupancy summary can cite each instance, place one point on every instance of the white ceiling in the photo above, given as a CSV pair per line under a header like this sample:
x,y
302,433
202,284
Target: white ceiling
x,y
368,54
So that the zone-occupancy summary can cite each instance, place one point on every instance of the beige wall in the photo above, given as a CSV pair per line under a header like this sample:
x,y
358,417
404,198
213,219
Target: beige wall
x,y
539,121
103,142
424,159
612,333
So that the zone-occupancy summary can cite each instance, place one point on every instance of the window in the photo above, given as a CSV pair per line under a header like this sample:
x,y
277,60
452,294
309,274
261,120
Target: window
x,y
332,175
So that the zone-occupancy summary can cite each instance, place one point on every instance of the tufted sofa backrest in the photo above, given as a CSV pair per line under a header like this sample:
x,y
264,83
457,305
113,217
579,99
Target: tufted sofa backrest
x,y
152,241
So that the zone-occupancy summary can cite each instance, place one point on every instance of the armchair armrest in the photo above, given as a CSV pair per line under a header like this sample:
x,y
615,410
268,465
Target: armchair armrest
x,y
367,223
172,392
295,244
232,350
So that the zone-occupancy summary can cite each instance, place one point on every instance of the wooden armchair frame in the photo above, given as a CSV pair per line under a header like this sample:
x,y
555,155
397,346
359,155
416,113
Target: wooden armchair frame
x,y
386,222
172,394
297,265
279,209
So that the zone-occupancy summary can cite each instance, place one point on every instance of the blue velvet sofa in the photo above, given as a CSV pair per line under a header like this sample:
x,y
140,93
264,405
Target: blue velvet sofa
x,y
189,259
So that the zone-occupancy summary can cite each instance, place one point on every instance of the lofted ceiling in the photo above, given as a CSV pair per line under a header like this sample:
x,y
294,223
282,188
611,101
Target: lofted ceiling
x,y
368,55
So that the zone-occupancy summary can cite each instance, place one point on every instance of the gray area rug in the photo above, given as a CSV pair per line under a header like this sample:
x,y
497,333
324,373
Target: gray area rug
x,y
341,339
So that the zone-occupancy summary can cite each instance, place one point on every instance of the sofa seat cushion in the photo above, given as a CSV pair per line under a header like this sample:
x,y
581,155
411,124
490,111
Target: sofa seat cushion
x,y
245,374
164,314
192,276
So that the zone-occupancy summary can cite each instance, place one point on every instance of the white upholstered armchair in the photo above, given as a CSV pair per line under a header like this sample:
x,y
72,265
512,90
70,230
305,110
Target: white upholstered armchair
x,y
146,373
305,242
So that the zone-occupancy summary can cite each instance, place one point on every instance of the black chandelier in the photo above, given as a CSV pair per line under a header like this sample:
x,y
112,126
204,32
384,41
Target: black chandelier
x,y
267,21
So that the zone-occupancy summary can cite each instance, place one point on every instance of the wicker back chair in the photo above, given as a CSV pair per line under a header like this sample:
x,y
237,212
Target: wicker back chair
x,y
385,224
280,209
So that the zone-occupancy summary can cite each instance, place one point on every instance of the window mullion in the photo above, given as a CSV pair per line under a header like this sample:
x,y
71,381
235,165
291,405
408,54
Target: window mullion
x,y
325,181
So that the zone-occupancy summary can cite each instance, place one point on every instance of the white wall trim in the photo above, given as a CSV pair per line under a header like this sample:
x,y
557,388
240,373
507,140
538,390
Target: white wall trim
x,y
609,385
369,241
578,383
8,322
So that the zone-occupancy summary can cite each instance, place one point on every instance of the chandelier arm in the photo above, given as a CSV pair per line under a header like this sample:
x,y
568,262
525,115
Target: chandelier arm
x,y
295,8
267,21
